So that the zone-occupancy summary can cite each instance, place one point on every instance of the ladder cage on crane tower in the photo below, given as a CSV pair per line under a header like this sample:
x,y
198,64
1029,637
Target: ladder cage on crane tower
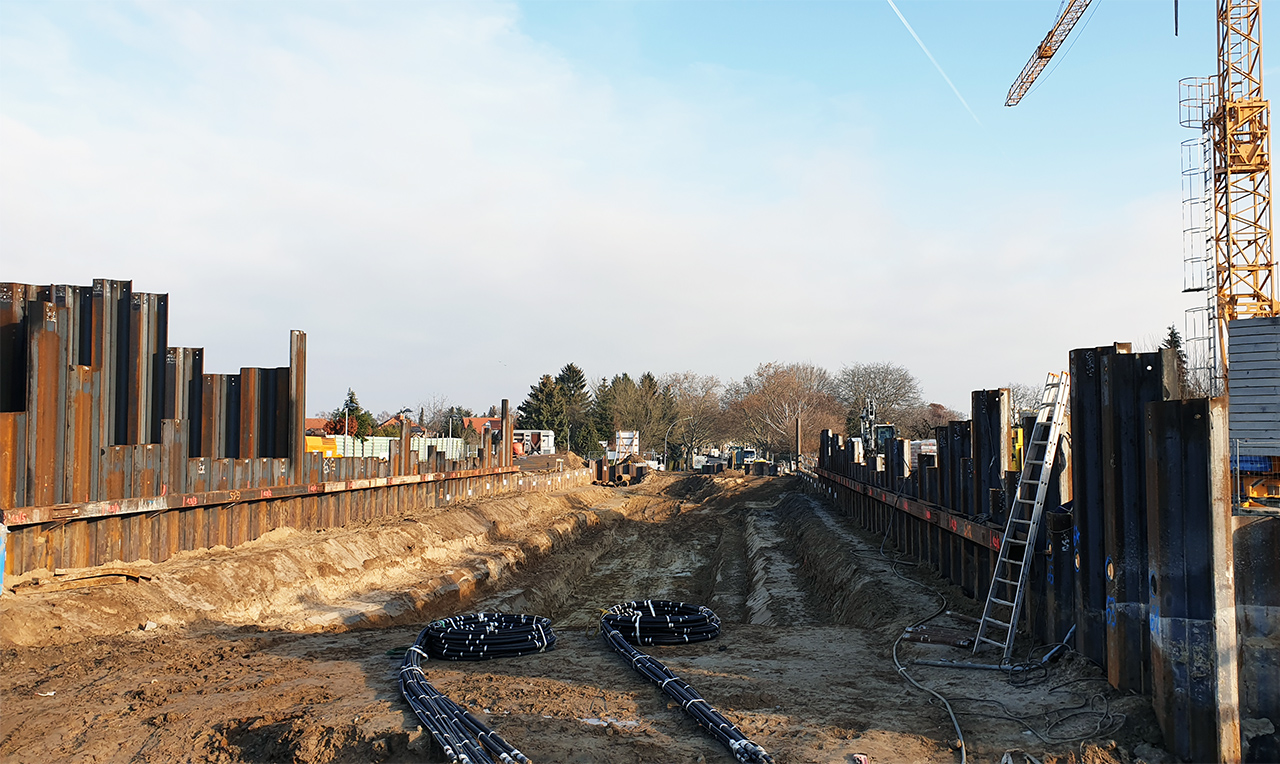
x,y
1239,126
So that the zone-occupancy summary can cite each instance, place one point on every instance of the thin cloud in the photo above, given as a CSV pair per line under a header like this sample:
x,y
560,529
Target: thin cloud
x,y
936,65
448,206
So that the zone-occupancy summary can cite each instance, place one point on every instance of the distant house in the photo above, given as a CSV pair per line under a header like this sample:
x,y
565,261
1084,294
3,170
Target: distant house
x,y
397,421
314,426
478,423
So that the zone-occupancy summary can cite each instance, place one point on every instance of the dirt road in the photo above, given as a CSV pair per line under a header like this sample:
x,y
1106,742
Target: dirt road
x,y
287,648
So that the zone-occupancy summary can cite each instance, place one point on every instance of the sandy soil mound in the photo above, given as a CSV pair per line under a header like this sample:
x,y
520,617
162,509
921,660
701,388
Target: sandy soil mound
x,y
383,572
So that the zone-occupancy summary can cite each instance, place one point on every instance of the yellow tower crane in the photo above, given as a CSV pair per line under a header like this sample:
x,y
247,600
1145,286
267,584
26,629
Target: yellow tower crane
x,y
1238,123
1236,119
1045,50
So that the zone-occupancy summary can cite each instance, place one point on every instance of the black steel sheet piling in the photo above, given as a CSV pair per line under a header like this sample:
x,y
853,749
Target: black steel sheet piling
x,y
233,439
1089,533
1060,589
157,348
1165,510
193,379
1129,381
1191,596
990,445
942,436
1257,577
114,338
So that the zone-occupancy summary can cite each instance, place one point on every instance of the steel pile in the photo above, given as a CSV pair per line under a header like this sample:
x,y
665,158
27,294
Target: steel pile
x,y
479,636
660,622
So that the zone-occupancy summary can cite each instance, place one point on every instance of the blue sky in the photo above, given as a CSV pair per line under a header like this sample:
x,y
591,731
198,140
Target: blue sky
x,y
454,198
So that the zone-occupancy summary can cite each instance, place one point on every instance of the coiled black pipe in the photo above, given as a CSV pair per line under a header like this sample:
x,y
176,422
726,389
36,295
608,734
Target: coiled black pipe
x,y
659,622
480,636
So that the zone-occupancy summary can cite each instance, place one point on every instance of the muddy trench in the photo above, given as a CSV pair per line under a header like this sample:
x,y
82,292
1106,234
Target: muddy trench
x,y
810,607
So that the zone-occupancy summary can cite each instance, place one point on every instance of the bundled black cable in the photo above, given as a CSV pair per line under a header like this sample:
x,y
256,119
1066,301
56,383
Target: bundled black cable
x,y
658,622
464,738
480,636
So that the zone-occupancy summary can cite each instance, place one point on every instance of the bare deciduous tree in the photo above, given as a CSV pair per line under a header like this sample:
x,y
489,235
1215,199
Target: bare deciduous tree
x,y
1024,397
765,405
430,412
700,417
892,387
918,422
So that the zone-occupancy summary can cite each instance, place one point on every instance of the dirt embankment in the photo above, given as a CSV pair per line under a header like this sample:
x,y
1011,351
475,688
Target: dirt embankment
x,y
378,573
287,649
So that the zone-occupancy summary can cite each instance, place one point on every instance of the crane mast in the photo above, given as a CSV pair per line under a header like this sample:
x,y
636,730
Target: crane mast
x,y
1238,128
1045,50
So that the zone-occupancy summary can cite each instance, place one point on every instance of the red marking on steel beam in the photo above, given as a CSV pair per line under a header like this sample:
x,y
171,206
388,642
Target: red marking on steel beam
x,y
190,501
266,493
995,541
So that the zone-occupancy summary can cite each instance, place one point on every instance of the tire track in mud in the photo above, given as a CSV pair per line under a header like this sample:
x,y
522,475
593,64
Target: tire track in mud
x,y
777,596
659,552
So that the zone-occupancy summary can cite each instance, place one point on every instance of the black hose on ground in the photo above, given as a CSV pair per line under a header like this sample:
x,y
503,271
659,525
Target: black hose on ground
x,y
480,636
659,622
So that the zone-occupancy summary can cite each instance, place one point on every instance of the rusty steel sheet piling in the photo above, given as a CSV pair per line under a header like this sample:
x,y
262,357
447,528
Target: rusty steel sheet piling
x,y
114,445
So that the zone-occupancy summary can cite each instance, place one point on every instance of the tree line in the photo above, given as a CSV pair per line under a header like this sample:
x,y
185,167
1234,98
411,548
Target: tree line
x,y
695,411
434,418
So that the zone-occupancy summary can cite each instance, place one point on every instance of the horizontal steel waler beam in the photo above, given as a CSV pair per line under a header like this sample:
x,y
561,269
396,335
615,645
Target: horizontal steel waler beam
x,y
930,513
55,512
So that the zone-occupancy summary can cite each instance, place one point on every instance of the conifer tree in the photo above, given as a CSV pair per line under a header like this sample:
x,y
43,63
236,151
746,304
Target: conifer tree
x,y
1173,341
351,418
544,409
573,386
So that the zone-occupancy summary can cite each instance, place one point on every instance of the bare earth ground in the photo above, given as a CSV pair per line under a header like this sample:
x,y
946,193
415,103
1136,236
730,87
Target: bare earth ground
x,y
287,648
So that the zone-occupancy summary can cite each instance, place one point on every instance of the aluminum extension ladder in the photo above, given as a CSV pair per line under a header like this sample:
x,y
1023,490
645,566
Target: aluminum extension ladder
x,y
1013,561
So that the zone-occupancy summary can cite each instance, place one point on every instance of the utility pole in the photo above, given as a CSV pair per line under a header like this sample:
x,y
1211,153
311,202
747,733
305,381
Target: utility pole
x,y
798,441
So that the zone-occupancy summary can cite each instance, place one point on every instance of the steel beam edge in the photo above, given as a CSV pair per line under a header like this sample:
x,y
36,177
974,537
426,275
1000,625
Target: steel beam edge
x,y
52,513
930,513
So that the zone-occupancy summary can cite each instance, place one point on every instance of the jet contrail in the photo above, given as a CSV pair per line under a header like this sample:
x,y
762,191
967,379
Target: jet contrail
x,y
936,65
